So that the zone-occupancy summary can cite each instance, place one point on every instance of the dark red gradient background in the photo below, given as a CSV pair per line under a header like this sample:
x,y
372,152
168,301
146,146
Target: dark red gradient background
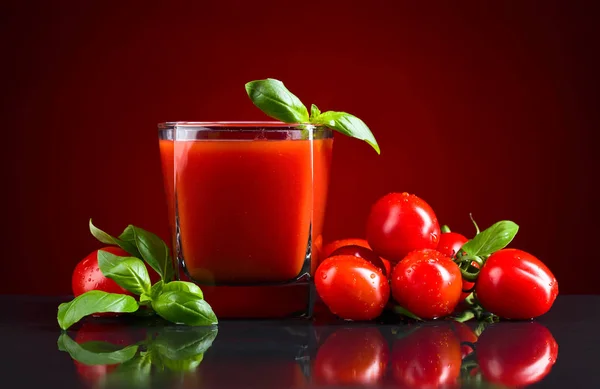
x,y
483,108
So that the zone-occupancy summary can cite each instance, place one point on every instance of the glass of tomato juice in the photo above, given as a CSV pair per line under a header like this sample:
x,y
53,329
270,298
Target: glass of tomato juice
x,y
246,206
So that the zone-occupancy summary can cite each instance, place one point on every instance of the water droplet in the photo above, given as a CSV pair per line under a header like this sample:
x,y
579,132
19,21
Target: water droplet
x,y
434,237
372,275
409,270
89,279
324,276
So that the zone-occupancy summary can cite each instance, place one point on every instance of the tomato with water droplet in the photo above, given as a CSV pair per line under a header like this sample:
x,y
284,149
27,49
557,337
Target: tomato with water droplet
x,y
351,287
366,254
399,223
427,283
514,284
87,275
450,243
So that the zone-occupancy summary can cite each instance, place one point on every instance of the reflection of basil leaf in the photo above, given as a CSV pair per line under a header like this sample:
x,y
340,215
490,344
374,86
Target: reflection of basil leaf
x,y
184,343
183,286
96,353
492,239
94,301
129,272
184,307
134,373
183,365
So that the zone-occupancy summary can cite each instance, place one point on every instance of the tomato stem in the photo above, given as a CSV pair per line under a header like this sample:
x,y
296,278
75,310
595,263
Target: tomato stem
x,y
475,224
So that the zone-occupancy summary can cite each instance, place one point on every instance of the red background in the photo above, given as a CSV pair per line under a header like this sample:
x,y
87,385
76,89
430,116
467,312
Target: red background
x,y
479,108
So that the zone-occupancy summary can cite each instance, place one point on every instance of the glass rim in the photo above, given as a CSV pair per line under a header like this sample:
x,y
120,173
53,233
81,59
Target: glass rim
x,y
240,124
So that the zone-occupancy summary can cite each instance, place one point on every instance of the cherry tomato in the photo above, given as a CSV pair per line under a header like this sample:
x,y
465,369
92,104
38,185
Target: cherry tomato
x,y
330,247
352,356
450,243
400,223
514,284
429,357
427,283
516,354
366,254
352,288
87,275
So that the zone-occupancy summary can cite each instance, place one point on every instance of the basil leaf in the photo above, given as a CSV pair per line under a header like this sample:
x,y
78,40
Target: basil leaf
x,y
273,98
184,307
129,272
103,237
184,343
184,286
151,249
347,124
314,112
492,239
405,312
96,353
94,301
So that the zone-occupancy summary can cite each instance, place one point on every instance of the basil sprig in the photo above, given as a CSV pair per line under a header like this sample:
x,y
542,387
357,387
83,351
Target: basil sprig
x,y
274,99
176,301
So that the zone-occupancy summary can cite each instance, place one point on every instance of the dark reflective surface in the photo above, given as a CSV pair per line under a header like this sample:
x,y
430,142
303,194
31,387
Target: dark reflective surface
x,y
556,351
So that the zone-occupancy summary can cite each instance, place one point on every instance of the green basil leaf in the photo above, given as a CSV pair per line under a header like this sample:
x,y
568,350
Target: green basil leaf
x,y
273,98
347,124
151,249
184,286
492,239
96,353
405,312
314,112
184,307
129,272
109,239
94,301
184,343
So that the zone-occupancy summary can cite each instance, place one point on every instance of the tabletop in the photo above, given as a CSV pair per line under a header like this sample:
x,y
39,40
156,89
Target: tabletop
x,y
555,351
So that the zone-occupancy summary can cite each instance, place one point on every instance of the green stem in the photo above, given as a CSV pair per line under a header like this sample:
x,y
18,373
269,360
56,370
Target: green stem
x,y
445,229
475,224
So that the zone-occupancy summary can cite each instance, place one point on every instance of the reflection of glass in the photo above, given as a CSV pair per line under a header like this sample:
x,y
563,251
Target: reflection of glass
x,y
246,204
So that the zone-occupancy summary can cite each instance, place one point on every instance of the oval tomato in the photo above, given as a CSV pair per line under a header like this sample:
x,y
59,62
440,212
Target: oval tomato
x,y
450,243
514,284
427,283
352,356
351,287
330,247
87,275
400,223
429,357
516,354
366,254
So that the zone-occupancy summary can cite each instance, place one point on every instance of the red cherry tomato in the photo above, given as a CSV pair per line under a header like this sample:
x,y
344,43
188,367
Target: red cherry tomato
x,y
450,243
330,247
366,254
87,275
429,357
352,288
352,356
514,284
516,354
400,223
427,283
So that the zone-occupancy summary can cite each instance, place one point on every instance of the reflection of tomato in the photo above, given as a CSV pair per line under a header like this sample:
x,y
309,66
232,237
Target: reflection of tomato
x,y
352,288
336,244
352,356
116,334
466,335
400,223
429,357
427,283
514,284
516,354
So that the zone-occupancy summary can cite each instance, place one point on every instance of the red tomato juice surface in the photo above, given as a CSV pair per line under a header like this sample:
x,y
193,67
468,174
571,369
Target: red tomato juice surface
x,y
245,209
